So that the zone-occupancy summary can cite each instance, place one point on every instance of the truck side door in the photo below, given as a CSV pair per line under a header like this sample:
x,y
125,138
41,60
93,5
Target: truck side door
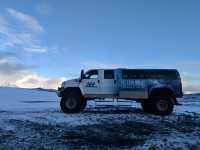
x,y
109,83
91,83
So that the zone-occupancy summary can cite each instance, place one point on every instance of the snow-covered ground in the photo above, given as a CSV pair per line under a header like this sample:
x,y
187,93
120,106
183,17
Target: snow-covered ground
x,y
31,119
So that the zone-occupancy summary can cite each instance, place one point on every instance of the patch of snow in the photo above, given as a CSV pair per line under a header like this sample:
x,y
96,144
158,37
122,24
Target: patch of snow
x,y
18,99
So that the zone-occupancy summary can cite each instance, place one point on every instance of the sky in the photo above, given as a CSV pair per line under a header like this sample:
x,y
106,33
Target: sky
x,y
43,42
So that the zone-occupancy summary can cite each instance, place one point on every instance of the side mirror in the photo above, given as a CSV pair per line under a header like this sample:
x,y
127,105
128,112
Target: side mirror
x,y
82,75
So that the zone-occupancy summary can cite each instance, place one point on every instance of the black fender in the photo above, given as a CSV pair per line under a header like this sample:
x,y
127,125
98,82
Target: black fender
x,y
163,91
67,90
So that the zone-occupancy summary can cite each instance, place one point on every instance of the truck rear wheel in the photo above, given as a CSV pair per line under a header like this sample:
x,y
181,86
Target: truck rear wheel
x,y
71,102
162,105
147,106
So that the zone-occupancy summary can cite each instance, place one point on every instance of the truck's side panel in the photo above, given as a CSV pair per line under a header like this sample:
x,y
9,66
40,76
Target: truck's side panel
x,y
130,94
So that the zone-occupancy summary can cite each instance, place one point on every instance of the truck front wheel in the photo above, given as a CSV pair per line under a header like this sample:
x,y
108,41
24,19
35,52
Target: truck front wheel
x,y
71,102
84,103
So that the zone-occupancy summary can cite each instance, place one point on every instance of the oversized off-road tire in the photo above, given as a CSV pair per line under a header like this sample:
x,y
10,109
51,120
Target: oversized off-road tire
x,y
162,105
83,103
71,102
147,106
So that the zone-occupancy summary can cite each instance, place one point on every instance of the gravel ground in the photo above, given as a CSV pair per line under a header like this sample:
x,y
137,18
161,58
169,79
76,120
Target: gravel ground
x,y
31,119
102,128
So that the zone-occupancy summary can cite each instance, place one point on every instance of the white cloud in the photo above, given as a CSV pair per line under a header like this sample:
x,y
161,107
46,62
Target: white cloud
x,y
38,49
191,83
14,37
27,20
33,80
27,79
190,88
98,65
13,73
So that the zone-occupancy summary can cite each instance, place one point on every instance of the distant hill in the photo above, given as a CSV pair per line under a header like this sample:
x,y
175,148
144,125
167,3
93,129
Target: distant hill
x,y
38,89
192,94
42,89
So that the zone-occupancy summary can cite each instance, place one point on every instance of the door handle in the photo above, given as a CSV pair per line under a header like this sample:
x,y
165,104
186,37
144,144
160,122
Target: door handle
x,y
98,81
115,81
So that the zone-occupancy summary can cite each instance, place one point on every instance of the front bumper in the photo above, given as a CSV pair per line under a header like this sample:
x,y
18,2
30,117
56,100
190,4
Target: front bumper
x,y
60,89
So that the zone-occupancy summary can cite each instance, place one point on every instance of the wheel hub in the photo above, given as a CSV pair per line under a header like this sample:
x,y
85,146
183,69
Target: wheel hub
x,y
70,103
162,105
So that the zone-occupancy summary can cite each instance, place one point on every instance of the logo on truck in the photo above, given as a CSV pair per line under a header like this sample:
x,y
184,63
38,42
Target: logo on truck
x,y
91,84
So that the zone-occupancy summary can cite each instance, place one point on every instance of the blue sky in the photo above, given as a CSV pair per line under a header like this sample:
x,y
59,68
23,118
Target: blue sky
x,y
55,39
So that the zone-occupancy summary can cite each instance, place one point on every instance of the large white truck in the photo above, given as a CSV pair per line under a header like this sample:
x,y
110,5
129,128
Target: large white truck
x,y
155,89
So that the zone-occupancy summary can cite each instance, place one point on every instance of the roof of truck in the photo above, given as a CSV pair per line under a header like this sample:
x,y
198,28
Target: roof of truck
x,y
147,69
152,69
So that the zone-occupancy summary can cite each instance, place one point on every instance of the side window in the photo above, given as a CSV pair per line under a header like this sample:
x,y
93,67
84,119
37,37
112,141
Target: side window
x,y
108,74
160,74
92,74
134,74
171,75
125,74
131,74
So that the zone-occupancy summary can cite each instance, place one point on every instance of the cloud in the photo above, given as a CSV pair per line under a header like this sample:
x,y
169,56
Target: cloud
x,y
190,88
6,55
98,65
191,78
13,36
36,49
33,80
13,73
25,19
7,68
191,83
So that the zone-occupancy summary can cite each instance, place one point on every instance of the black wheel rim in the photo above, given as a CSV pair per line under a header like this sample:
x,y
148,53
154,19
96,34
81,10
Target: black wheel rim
x,y
70,103
162,105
